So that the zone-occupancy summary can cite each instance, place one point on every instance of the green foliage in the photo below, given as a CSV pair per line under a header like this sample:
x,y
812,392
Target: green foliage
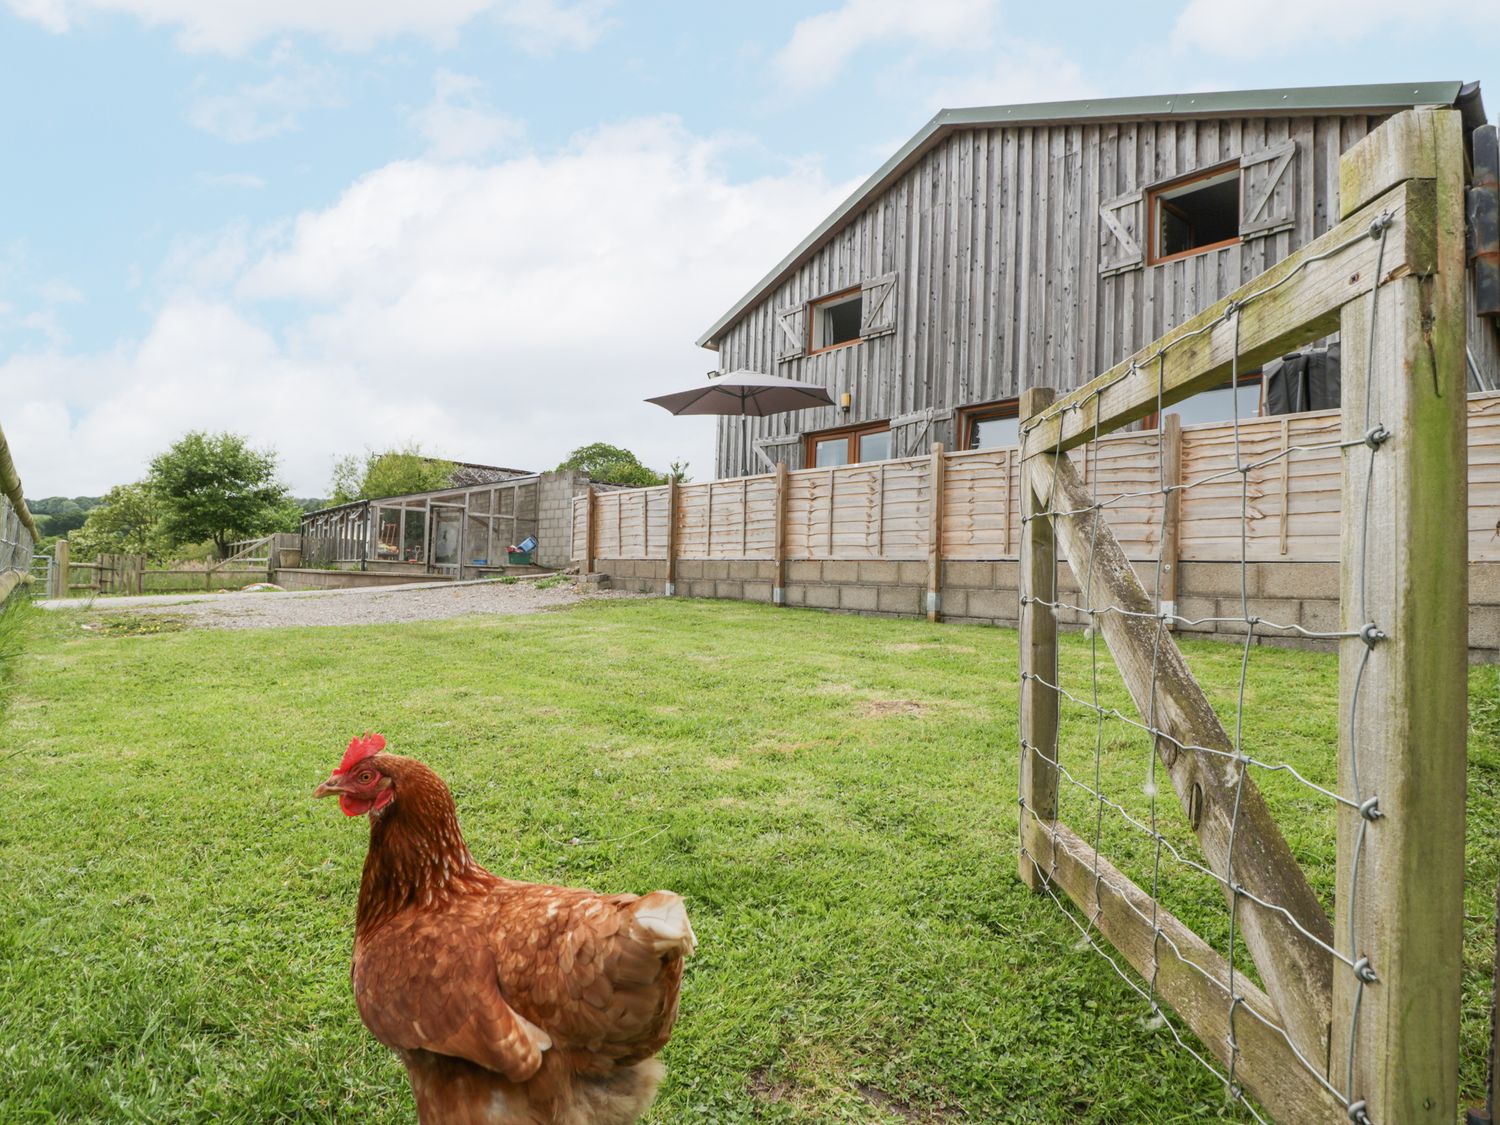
x,y
125,521
58,515
609,464
63,505
394,473
215,486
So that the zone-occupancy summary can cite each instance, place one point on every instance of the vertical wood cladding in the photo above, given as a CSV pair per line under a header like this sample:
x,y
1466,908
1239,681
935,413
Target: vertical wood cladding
x,y
1006,276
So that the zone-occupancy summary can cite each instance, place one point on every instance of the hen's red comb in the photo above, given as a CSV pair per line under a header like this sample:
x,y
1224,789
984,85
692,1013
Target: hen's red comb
x,y
360,749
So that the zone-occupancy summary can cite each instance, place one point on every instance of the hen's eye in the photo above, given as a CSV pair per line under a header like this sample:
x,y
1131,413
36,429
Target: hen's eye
x,y
366,777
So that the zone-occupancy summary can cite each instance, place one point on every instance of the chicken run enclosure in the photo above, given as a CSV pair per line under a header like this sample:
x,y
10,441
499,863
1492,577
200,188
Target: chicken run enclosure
x,y
1303,1018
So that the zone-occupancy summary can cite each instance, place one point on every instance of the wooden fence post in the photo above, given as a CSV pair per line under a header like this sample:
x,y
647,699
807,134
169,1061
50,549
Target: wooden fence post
x,y
60,567
778,580
1038,641
1402,742
590,529
935,534
1170,436
670,588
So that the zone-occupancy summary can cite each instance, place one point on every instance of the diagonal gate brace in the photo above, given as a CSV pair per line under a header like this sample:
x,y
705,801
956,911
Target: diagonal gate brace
x,y
1296,969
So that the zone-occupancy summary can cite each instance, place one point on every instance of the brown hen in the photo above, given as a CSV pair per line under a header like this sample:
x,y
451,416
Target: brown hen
x,y
510,1003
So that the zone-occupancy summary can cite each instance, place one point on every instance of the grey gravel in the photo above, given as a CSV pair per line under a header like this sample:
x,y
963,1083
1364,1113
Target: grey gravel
x,y
428,601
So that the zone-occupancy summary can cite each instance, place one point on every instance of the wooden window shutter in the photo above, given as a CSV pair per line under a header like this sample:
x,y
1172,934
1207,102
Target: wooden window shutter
x,y
792,324
878,306
1268,194
1120,234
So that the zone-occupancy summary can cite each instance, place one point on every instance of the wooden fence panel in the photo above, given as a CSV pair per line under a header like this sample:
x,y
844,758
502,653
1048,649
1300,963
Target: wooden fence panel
x,y
1484,478
1124,469
880,510
658,505
694,508
580,536
760,517
904,512
981,505
1293,511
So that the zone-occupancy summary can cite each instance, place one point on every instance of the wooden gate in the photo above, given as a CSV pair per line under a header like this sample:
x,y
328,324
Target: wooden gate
x,y
1356,1017
120,574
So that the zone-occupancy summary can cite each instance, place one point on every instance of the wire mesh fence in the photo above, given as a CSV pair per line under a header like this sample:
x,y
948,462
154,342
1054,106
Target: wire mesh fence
x,y
1293,1014
18,531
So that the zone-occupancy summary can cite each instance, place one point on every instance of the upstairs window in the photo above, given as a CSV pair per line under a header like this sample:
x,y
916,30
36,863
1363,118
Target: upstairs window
x,y
990,427
835,320
1195,214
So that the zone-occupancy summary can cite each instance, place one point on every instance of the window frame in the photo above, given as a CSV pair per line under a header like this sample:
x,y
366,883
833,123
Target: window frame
x,y
1154,200
831,299
1152,421
982,411
852,434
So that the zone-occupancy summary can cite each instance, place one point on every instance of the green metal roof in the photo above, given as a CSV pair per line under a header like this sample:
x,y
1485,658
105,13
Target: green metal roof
x,y
1376,98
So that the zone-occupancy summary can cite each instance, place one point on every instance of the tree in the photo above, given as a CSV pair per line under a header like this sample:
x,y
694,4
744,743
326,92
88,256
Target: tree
x,y
215,486
123,522
609,464
394,473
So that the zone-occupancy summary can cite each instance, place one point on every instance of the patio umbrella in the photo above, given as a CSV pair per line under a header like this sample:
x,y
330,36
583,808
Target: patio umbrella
x,y
745,393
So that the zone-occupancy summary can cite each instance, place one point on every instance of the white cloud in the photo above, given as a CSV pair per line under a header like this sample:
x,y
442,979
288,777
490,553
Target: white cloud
x,y
504,313
1017,72
459,124
1237,30
258,111
821,45
234,26
247,181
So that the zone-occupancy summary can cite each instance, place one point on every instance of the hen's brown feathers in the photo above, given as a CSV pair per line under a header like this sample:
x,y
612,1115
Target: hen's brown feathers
x,y
544,1003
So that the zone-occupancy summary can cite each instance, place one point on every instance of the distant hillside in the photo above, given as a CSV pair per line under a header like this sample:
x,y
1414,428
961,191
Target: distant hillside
x,y
58,515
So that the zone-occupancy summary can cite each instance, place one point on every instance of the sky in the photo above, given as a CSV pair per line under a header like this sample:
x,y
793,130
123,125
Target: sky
x,y
493,227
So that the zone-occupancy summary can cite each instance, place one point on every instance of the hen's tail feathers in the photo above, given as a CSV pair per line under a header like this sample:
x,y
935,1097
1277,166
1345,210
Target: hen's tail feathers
x,y
663,923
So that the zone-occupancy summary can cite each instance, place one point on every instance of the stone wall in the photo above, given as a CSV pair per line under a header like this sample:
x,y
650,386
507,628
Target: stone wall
x,y
1290,593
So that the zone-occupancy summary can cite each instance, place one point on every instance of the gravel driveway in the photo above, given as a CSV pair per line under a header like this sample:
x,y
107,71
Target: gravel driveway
x,y
428,601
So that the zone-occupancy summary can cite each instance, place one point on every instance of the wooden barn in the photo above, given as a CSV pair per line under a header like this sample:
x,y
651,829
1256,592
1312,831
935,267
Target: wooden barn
x,y
1036,245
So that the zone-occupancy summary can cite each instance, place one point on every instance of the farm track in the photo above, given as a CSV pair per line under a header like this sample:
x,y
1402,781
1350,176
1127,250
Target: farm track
x,y
430,601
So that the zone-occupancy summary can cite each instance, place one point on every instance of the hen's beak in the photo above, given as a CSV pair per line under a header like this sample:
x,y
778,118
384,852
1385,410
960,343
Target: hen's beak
x,y
329,788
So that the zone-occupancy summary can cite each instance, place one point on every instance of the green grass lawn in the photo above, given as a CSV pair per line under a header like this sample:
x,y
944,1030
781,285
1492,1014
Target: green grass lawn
x,y
835,797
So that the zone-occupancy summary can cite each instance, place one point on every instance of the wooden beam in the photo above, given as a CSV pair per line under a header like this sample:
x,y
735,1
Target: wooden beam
x,y
1188,973
670,588
1038,641
1170,436
1296,970
1400,877
9,580
778,582
935,533
1306,306
1404,147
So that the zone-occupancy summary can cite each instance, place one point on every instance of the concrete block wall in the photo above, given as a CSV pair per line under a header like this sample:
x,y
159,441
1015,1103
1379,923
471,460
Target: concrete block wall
x,y
554,517
1286,593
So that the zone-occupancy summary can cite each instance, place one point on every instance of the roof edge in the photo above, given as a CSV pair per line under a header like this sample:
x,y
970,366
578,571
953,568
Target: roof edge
x,y
1372,98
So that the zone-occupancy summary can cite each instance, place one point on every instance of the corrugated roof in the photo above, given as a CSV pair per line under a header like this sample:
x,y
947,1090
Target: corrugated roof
x,y
1377,98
